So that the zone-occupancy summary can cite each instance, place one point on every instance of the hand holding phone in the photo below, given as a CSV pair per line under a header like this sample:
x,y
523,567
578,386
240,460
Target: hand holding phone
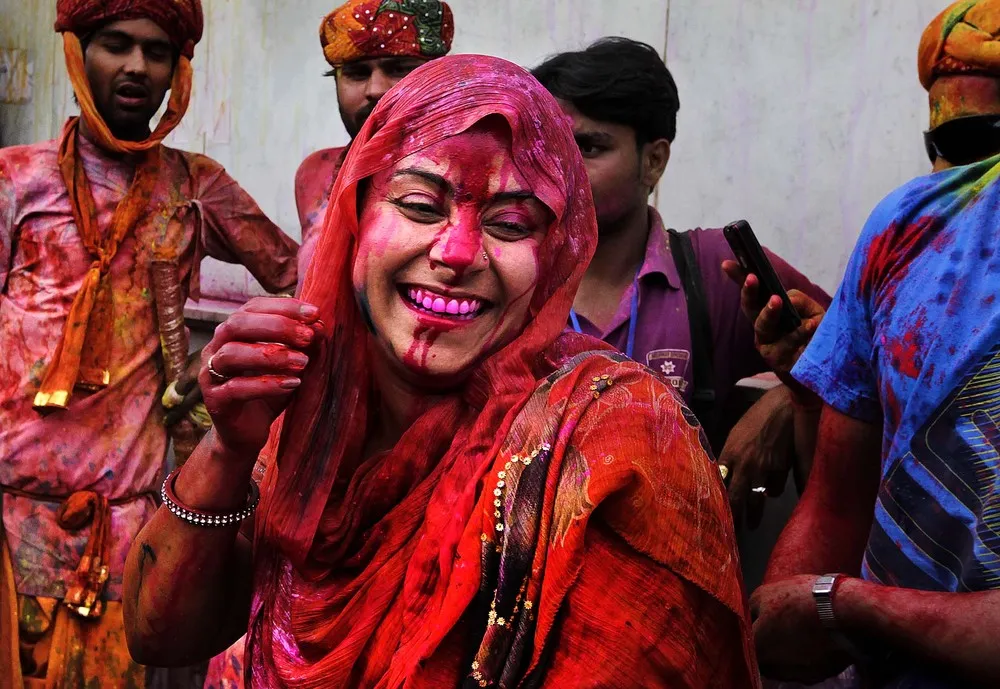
x,y
752,260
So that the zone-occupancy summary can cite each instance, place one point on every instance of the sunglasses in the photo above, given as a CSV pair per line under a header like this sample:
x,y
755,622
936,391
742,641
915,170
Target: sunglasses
x,y
964,140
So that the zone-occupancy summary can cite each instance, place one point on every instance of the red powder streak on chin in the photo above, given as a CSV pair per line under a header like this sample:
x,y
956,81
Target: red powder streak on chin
x,y
420,347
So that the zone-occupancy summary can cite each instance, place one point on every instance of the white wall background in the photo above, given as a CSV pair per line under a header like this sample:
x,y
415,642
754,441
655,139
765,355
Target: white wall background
x,y
796,114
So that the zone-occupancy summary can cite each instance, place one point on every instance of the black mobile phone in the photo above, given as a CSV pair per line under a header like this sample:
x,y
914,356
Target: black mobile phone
x,y
752,259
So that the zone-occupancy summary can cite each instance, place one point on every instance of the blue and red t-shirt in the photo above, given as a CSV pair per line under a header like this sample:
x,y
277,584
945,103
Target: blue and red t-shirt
x,y
912,341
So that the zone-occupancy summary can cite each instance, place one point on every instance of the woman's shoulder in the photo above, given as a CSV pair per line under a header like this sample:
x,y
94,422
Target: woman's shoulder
x,y
619,418
608,380
618,444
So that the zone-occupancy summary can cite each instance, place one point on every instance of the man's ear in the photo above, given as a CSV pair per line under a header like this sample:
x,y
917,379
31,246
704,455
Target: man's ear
x,y
655,156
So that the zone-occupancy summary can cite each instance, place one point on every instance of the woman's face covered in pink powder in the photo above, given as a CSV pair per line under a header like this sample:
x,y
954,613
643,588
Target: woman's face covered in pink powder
x,y
448,257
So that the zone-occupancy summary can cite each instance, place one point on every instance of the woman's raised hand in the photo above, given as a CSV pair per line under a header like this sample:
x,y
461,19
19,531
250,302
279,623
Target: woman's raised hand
x,y
253,365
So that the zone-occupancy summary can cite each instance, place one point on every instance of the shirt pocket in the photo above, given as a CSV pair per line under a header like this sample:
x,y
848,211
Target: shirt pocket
x,y
48,266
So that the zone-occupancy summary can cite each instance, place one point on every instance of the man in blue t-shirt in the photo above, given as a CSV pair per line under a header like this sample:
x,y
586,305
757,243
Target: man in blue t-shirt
x,y
892,559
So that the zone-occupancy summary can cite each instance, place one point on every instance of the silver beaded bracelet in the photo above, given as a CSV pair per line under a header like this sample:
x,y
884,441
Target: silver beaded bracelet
x,y
199,518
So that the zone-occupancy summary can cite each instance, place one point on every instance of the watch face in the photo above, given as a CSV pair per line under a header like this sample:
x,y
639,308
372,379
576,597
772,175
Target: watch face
x,y
824,585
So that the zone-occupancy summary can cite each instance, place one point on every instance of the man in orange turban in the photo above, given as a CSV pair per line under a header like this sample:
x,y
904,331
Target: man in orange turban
x,y
88,221
370,45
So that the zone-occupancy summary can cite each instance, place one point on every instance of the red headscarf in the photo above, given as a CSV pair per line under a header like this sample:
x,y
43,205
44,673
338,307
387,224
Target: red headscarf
x,y
441,99
364,567
302,516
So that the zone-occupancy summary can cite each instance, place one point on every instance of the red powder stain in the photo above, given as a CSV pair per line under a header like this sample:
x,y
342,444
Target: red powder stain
x,y
463,239
906,356
416,355
890,253
905,353
957,298
989,299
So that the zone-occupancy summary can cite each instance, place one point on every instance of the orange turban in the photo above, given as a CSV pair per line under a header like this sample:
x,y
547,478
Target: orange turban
x,y
364,29
182,20
964,38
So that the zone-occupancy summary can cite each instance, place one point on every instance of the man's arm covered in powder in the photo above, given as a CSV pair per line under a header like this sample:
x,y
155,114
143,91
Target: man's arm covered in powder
x,y
236,230
954,633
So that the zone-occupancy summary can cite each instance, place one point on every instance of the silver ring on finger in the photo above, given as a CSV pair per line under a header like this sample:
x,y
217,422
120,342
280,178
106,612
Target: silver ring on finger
x,y
213,374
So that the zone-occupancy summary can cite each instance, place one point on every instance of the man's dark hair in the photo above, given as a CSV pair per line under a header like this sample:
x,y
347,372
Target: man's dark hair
x,y
617,80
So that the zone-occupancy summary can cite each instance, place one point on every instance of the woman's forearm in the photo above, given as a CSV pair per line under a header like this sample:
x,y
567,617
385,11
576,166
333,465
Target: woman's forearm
x,y
187,588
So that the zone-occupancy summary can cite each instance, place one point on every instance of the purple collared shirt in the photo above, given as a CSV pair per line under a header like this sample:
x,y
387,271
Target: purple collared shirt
x,y
662,333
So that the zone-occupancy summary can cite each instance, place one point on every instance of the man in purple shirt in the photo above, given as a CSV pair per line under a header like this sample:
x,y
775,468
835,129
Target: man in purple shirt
x,y
680,317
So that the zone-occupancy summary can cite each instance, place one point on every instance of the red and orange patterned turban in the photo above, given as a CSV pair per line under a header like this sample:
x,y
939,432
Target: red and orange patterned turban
x,y
963,39
182,20
365,29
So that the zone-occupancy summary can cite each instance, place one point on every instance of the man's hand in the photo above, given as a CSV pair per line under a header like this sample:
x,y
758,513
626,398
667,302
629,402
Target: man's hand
x,y
792,644
779,350
759,454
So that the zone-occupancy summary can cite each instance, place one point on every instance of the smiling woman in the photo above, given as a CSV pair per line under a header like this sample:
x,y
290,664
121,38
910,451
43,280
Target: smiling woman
x,y
459,493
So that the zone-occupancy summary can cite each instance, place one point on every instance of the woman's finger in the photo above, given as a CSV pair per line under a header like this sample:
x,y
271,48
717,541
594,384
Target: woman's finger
x,y
249,389
756,501
739,490
245,326
244,359
295,309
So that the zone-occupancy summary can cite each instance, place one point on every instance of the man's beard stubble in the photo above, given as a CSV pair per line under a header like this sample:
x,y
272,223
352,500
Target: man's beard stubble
x,y
353,125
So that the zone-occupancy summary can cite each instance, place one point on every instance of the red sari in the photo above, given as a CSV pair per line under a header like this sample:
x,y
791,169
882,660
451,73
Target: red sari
x,y
557,524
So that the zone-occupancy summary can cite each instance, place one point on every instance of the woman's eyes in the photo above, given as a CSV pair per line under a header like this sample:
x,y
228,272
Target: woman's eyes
x,y
419,208
507,226
508,229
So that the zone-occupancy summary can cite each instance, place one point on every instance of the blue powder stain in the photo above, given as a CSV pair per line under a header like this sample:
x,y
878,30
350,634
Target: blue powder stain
x,y
366,310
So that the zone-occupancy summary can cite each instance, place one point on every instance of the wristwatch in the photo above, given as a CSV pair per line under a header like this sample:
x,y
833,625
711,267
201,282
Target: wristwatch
x,y
822,590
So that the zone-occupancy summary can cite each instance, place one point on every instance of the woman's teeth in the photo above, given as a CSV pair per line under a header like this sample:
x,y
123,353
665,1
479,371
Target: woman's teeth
x,y
436,303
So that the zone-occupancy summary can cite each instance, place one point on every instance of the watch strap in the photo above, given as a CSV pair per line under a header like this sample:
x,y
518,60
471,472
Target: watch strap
x,y
823,590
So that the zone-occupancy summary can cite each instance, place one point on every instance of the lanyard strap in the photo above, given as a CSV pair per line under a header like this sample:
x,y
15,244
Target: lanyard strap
x,y
633,318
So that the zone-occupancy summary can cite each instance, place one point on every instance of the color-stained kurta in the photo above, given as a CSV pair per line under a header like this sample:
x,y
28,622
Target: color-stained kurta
x,y
112,441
